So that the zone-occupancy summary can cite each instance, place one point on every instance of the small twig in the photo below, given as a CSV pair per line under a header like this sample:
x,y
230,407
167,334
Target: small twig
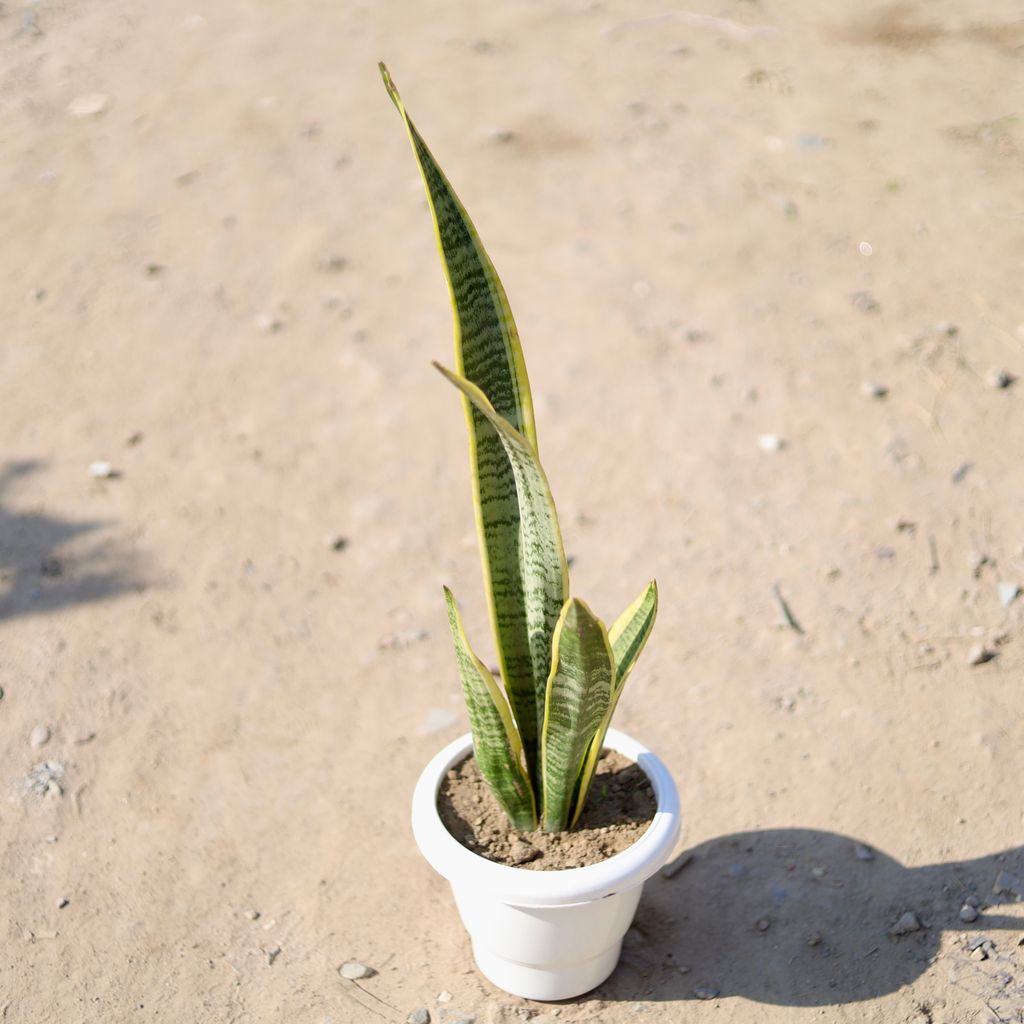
x,y
784,610
673,868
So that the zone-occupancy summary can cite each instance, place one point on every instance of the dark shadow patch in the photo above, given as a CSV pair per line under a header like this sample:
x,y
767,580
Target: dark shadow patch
x,y
37,574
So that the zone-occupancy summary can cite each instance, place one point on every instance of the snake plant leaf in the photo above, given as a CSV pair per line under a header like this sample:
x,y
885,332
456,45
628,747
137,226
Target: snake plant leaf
x,y
579,693
539,560
496,743
628,636
488,354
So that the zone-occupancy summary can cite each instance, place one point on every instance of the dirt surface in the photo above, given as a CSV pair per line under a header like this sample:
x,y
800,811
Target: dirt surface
x,y
619,808
764,258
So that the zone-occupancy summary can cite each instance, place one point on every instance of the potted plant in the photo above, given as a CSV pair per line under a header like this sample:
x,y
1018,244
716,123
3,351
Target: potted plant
x,y
536,740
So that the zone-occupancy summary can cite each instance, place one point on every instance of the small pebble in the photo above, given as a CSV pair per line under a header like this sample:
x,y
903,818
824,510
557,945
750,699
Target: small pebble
x,y
814,940
62,902
999,378
267,323
338,543
444,996
457,1017
979,654
420,1016
961,471
906,924
706,992
968,913
102,470
355,971
91,104
865,302
770,443
862,852
1008,593
272,952
332,263
39,736
973,901
872,389
252,915
763,924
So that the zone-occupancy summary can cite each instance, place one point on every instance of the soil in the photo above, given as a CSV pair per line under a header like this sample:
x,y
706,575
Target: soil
x,y
716,222
619,808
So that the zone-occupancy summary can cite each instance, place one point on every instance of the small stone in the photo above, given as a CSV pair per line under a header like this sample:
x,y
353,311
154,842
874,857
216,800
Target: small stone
x,y
999,378
102,470
973,901
39,736
968,913
419,1016
444,996
251,914
90,104
332,263
763,924
1005,882
865,302
272,953
906,924
770,443
961,471
62,902
355,971
884,553
1008,593
979,654
338,542
862,852
267,323
454,1016
706,992
872,389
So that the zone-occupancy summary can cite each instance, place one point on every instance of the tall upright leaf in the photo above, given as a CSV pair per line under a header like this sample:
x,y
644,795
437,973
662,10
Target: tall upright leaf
x,y
538,549
496,743
578,694
488,355
628,636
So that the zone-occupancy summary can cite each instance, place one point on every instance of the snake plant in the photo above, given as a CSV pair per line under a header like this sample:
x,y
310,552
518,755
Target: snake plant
x,y
536,738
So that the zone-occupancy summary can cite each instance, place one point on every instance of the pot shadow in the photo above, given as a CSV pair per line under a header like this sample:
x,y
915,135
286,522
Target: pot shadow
x,y
36,576
797,917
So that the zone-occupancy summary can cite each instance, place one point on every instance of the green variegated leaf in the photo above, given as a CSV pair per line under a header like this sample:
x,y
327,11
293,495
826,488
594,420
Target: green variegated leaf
x,y
496,744
579,692
628,636
488,355
539,558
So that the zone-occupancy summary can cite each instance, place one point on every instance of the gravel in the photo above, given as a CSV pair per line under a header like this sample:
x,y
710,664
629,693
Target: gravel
x,y
39,736
706,992
419,1016
862,852
906,924
979,654
968,913
354,971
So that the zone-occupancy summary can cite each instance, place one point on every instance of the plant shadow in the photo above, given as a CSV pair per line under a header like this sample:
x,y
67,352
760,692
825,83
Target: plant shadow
x,y
36,575
798,917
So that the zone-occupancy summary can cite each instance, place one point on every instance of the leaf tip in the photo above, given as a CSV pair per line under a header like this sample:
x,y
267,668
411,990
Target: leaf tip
x,y
389,84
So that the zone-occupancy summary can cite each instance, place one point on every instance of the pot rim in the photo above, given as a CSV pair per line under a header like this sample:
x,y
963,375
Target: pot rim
x,y
523,887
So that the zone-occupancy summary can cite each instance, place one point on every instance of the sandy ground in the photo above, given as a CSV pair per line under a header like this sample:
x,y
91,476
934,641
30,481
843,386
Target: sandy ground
x,y
714,224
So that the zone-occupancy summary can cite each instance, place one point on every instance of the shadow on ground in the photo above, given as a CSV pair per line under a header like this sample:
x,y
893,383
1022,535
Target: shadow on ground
x,y
41,571
796,917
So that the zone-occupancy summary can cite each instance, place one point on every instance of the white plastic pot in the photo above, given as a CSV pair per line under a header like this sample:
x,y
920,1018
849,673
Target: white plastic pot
x,y
546,934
